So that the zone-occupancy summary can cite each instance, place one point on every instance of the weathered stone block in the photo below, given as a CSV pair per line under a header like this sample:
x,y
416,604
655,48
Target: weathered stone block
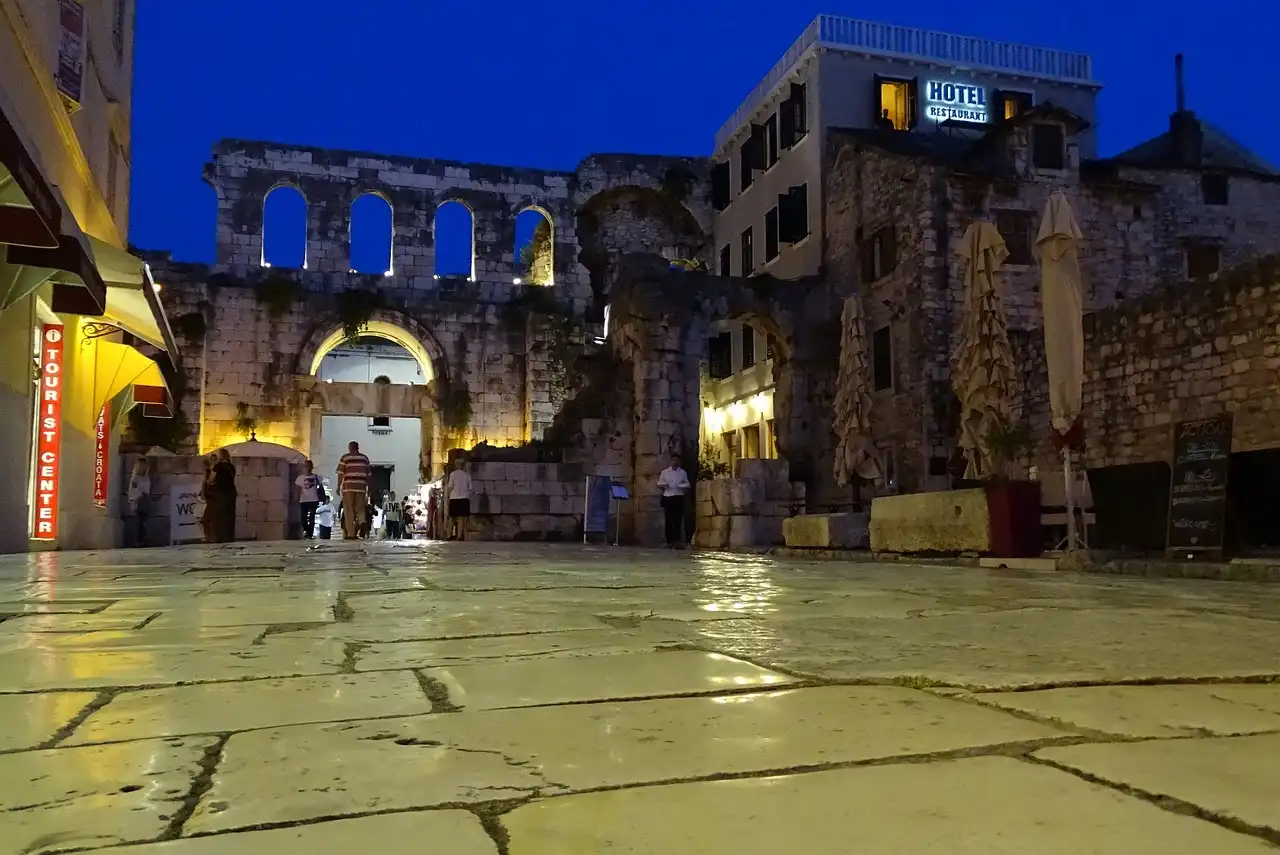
x,y
826,531
951,521
747,531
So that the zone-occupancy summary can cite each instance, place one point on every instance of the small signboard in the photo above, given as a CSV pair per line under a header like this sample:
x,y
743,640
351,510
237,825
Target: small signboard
x,y
595,518
71,51
185,510
1198,492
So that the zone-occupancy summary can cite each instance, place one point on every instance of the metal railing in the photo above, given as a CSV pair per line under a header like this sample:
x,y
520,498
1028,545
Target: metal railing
x,y
832,31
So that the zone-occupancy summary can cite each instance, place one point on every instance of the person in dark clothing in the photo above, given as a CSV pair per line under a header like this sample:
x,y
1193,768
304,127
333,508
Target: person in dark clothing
x,y
674,483
220,496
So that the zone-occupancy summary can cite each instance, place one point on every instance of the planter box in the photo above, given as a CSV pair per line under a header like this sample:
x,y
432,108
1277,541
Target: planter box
x,y
1014,511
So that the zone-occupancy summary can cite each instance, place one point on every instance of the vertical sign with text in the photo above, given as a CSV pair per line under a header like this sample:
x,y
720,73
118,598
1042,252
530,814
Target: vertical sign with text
x,y
48,434
1198,488
101,455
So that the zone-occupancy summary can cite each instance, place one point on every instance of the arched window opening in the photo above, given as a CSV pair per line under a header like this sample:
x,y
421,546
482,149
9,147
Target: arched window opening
x,y
372,233
455,241
284,228
534,248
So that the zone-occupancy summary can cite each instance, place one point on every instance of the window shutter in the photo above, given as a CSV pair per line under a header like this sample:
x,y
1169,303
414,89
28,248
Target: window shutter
x,y
720,186
876,104
996,109
889,250
913,102
799,212
759,147
799,109
787,124
744,165
786,224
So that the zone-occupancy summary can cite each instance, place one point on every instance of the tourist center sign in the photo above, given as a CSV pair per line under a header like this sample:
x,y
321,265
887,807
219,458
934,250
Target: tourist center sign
x,y
48,434
955,101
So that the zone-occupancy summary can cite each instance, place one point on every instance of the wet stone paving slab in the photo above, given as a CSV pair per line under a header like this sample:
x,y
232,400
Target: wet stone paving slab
x,y
488,699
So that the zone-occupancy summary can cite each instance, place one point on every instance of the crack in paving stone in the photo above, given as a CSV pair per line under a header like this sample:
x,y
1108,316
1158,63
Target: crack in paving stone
x,y
437,693
1167,803
148,620
104,697
350,653
200,784
342,612
1036,718
492,825
1247,679
282,628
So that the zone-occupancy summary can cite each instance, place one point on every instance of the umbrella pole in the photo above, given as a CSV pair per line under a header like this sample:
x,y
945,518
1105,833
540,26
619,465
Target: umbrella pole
x,y
1071,499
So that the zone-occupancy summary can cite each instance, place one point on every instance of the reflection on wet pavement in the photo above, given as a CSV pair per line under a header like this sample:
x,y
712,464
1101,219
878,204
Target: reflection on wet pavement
x,y
269,698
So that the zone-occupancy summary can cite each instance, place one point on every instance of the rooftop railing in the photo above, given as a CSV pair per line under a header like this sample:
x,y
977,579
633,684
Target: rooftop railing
x,y
832,31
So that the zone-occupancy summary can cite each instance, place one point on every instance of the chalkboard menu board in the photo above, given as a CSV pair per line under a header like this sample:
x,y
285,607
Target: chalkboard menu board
x,y
1198,493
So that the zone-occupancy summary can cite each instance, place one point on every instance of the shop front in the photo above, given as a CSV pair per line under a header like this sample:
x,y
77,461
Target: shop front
x,y
76,315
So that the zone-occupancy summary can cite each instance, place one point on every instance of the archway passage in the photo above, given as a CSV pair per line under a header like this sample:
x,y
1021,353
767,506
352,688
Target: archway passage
x,y
371,235
534,249
365,385
284,228
376,329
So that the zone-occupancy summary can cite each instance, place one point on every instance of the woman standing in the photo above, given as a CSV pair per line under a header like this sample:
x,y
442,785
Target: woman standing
x,y
140,499
220,493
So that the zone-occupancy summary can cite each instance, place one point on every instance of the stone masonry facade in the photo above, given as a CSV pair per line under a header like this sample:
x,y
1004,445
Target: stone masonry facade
x,y
486,335
1141,227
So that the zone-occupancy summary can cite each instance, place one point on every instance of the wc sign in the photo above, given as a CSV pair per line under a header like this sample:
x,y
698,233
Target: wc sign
x,y
48,434
955,101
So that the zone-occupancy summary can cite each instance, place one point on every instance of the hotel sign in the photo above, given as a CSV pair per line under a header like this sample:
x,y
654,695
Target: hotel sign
x,y
955,101
48,434
101,455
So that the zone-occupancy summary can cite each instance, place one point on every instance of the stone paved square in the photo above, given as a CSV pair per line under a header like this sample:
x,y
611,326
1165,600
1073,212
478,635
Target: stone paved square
x,y
535,699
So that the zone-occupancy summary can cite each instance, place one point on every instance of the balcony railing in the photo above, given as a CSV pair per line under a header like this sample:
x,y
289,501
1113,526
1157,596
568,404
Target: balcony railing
x,y
839,33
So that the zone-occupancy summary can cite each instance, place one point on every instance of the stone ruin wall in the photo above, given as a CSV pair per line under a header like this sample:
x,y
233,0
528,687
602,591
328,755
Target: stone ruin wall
x,y
1188,350
506,357
1136,224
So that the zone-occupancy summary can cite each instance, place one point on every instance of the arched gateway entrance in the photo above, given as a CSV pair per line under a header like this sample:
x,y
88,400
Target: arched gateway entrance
x,y
379,390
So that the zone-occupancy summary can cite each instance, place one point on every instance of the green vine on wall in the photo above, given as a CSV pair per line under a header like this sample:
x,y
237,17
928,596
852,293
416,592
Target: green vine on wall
x,y
277,293
356,308
244,421
455,407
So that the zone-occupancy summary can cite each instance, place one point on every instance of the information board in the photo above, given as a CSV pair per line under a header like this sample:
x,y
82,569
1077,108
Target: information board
x,y
595,519
185,510
1198,492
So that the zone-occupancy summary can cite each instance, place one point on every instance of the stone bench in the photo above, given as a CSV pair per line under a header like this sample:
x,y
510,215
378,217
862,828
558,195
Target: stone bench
x,y
950,521
826,531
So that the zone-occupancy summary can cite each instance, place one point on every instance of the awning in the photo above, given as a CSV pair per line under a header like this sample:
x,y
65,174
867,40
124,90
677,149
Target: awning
x,y
42,234
120,367
133,301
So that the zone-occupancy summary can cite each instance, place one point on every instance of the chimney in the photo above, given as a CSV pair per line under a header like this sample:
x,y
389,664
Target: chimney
x,y
1186,137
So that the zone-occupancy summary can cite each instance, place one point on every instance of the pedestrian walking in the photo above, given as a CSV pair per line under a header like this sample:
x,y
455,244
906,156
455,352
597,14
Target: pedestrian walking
x,y
219,493
674,483
458,493
310,495
393,516
140,499
324,518
353,485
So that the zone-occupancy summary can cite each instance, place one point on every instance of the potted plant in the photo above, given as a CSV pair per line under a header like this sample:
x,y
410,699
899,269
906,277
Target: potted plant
x,y
1013,505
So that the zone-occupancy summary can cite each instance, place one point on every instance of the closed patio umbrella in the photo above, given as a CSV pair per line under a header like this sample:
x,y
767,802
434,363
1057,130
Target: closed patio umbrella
x,y
1063,302
855,455
982,372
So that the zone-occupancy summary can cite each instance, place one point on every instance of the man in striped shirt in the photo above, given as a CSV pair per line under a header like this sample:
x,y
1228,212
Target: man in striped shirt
x,y
353,482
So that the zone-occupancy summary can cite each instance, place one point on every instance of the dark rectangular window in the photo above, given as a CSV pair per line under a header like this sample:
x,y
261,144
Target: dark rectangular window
x,y
771,141
793,214
1009,104
878,253
720,353
1048,146
720,192
759,148
1215,188
748,253
770,347
1016,227
771,234
895,103
745,171
800,110
748,346
882,359
381,422
726,258
1203,259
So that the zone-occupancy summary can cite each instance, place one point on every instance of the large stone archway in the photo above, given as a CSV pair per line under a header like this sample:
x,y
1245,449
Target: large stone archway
x,y
317,399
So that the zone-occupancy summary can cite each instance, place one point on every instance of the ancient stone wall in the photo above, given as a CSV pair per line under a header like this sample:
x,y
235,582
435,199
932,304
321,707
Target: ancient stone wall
x,y
1188,350
1136,227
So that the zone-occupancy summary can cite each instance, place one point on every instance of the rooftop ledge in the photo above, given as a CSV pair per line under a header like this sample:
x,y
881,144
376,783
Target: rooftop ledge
x,y
838,33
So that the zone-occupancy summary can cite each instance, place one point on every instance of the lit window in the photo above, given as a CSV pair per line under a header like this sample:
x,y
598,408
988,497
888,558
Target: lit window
x,y
896,104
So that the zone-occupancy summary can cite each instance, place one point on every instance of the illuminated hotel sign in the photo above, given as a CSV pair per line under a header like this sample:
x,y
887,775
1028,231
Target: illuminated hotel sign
x,y
101,443
955,101
48,434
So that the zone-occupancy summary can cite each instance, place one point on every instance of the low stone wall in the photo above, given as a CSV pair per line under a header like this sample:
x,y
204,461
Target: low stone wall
x,y
827,531
526,501
951,521
747,509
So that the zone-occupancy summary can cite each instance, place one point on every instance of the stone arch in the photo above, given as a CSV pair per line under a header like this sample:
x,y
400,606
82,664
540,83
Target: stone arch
x,y
365,222
283,191
385,324
449,245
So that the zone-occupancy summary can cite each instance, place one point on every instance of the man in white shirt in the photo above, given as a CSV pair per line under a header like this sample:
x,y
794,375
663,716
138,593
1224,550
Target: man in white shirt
x,y
458,493
674,482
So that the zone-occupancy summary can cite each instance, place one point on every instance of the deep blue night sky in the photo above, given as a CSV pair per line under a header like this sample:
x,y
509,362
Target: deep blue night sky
x,y
544,84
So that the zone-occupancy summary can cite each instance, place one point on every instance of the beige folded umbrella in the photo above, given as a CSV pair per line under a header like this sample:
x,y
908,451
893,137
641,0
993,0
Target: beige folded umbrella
x,y
982,372
855,454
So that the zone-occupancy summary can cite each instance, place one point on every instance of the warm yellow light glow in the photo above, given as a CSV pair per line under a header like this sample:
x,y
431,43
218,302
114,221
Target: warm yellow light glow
x,y
383,330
